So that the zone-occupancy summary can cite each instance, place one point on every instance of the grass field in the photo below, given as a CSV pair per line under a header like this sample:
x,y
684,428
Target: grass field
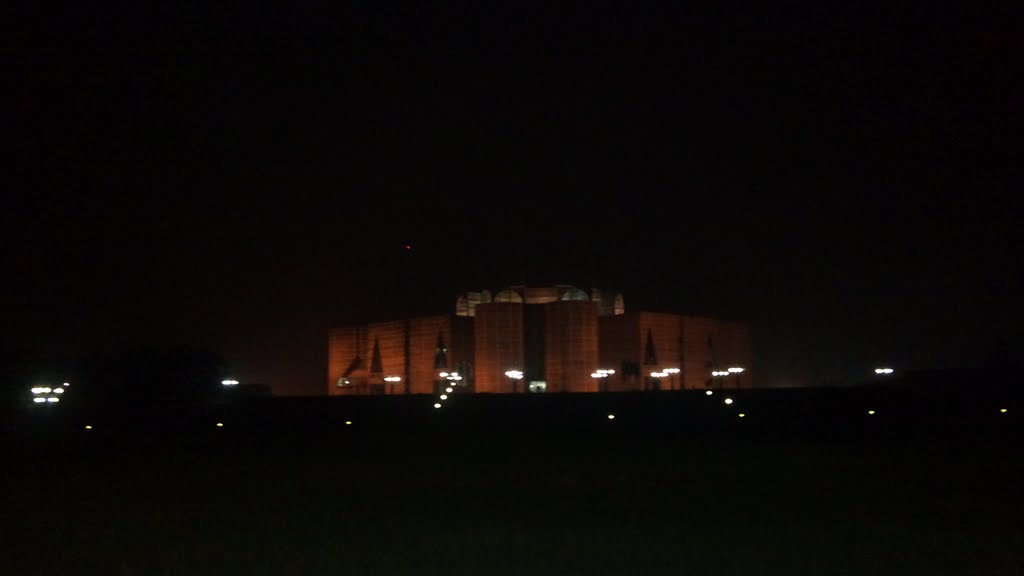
x,y
326,498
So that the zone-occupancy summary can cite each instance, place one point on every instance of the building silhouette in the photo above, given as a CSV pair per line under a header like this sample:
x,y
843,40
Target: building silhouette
x,y
558,337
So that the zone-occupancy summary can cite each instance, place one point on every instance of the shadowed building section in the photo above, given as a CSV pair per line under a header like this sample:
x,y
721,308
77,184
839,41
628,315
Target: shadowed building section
x,y
360,357
557,337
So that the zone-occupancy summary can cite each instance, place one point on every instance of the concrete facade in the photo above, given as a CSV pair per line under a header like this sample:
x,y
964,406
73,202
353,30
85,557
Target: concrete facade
x,y
557,336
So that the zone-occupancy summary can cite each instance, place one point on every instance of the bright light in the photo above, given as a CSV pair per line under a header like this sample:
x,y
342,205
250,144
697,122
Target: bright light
x,y
58,390
658,374
610,371
596,375
392,378
443,374
709,393
220,424
444,396
348,422
229,382
53,399
1002,410
67,384
39,400
514,374
88,427
735,370
455,373
456,378
883,370
728,400
611,416
438,405
448,390
742,415
671,370
871,412
37,390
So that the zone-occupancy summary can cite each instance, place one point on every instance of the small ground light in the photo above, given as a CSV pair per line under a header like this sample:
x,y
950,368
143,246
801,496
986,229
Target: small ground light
x,y
444,396
728,400
348,422
220,424
88,427
871,412
743,415
448,390
709,393
1002,410
437,405
611,416
39,400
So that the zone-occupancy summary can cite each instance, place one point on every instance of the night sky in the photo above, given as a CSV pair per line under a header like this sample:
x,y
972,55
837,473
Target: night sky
x,y
240,180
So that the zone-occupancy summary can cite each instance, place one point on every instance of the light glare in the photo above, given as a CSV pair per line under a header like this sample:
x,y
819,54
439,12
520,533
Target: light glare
x,y
728,400
88,427
39,400
58,390
437,405
709,393
1002,410
448,390
444,396
611,416
220,424
348,422
53,399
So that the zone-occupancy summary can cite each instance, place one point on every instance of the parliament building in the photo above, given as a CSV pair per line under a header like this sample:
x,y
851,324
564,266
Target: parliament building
x,y
526,339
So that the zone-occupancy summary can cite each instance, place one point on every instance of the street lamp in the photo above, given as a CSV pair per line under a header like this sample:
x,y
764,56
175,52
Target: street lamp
x,y
672,374
721,375
392,380
601,375
515,376
736,370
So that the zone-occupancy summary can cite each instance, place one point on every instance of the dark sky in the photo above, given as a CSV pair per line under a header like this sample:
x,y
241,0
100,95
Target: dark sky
x,y
841,177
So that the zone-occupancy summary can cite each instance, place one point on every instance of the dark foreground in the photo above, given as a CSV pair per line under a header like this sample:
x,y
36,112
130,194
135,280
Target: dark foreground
x,y
805,483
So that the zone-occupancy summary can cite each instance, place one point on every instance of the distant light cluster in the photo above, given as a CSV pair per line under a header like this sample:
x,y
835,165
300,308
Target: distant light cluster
x,y
48,395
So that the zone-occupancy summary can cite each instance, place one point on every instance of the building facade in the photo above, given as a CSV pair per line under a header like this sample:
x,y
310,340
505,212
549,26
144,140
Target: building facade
x,y
557,337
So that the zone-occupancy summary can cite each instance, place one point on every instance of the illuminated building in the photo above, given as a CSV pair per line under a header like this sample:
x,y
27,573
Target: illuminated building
x,y
556,336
